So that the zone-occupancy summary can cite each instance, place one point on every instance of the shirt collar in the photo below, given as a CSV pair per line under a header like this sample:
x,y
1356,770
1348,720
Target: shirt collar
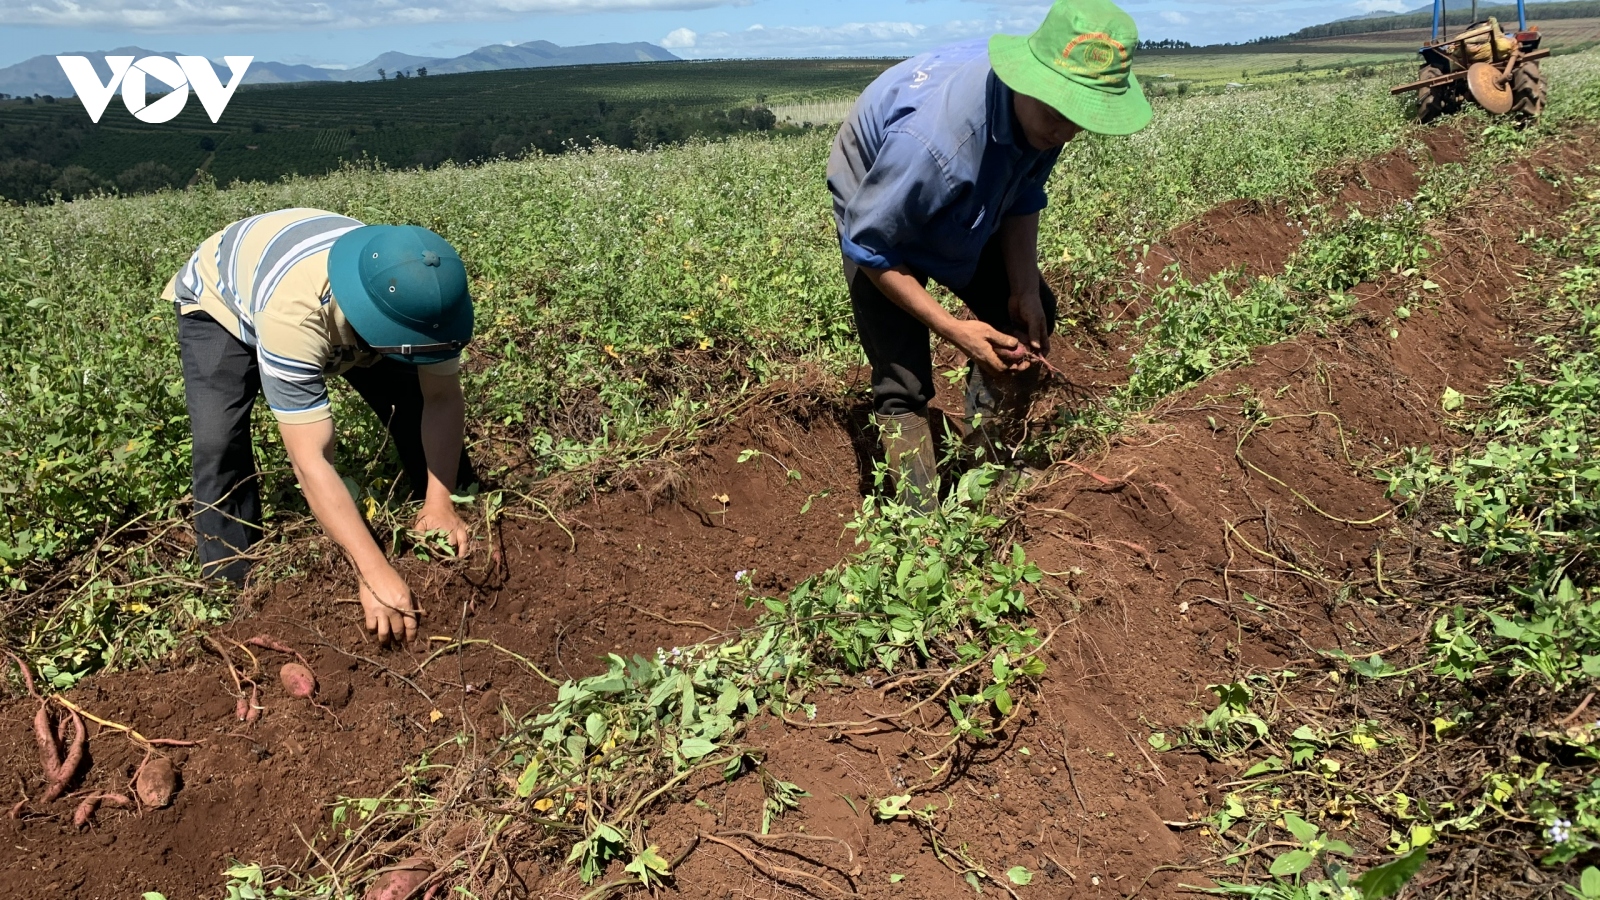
x,y
1004,129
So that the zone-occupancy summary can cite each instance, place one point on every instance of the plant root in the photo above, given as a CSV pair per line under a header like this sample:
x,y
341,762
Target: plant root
x,y
795,878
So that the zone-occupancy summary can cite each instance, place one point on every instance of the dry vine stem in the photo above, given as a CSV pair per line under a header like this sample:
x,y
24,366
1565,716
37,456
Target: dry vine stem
x,y
782,874
133,735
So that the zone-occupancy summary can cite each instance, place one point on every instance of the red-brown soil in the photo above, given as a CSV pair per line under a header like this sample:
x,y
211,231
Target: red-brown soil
x,y
1152,548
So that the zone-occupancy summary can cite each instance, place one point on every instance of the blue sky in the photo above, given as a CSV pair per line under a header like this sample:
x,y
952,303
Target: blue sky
x,y
350,32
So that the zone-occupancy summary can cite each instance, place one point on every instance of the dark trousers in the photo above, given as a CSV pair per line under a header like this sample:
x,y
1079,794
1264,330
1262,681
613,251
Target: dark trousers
x,y
897,344
221,379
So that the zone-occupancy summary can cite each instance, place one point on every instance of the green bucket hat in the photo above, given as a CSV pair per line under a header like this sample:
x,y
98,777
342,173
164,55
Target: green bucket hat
x,y
404,290
1080,62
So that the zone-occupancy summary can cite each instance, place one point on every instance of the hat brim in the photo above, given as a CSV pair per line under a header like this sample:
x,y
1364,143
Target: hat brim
x,y
1098,111
377,329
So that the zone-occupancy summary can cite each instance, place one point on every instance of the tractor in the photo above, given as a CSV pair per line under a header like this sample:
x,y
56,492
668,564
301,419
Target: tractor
x,y
1494,68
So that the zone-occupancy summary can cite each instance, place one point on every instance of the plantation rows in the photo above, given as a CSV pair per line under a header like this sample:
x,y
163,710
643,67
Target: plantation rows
x,y
311,128
626,295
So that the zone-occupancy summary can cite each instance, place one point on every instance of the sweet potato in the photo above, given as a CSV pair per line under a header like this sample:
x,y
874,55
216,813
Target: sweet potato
x,y
401,880
298,681
85,810
44,734
241,709
68,770
156,782
254,709
267,643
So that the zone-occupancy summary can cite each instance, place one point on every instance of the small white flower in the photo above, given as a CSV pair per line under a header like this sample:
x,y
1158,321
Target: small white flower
x,y
1560,831
741,576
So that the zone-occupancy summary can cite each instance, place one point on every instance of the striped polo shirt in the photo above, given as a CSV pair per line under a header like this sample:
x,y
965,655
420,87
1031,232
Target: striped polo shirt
x,y
265,279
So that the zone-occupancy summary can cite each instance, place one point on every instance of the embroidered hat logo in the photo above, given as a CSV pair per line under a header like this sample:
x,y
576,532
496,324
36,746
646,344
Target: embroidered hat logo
x,y
133,77
1095,55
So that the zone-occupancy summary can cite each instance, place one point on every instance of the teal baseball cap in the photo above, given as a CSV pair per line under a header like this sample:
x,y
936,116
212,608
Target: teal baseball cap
x,y
404,290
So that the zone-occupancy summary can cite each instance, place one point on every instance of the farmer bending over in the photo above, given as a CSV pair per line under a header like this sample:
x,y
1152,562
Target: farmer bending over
x,y
277,304
939,175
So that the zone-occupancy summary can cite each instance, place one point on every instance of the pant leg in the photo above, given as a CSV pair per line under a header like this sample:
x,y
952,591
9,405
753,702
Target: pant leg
x,y
896,345
221,379
393,391
988,295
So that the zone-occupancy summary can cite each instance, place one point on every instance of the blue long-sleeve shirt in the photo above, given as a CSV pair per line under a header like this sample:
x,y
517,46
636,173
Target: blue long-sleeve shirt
x,y
929,162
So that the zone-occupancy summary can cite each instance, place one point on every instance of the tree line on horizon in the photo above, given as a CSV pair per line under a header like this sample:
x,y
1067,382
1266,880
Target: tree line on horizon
x,y
1457,13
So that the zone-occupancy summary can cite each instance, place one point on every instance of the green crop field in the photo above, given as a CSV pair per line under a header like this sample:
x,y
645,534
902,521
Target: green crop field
x,y
623,295
308,129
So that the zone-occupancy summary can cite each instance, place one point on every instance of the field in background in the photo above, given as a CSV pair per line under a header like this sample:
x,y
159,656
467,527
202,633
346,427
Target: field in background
x,y
51,149
818,112
309,129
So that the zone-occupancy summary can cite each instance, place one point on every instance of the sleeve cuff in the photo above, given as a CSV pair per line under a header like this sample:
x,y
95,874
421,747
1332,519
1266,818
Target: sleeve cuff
x,y
446,368
170,292
861,256
304,416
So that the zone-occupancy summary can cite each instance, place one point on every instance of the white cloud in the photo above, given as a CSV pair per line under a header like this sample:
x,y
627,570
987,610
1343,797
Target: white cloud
x,y
1173,17
1370,6
679,39
279,15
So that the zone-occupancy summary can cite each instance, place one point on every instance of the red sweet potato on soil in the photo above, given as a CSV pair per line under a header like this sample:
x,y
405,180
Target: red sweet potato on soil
x,y
85,810
68,770
401,881
44,734
298,681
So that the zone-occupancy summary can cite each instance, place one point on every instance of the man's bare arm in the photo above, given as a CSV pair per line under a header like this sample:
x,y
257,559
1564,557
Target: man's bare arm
x,y
992,349
384,595
444,418
1019,241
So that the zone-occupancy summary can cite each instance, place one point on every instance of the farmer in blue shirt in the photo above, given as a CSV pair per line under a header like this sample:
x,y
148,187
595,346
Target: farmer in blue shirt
x,y
939,175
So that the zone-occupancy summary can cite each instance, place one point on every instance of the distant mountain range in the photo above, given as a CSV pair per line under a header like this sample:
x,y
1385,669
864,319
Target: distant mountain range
x,y
43,75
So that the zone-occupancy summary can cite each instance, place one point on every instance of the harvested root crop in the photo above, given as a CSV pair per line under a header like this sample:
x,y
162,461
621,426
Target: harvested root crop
x,y
156,782
68,770
44,734
268,643
298,680
85,811
402,880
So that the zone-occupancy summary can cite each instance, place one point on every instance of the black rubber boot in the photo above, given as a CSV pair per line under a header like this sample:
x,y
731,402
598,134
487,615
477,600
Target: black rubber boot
x,y
908,448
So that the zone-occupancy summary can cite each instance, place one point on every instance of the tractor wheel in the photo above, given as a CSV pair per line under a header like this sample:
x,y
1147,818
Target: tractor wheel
x,y
1528,92
1434,102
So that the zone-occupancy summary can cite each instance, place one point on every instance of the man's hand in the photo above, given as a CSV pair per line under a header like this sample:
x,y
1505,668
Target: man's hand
x,y
1027,311
445,519
386,600
994,350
